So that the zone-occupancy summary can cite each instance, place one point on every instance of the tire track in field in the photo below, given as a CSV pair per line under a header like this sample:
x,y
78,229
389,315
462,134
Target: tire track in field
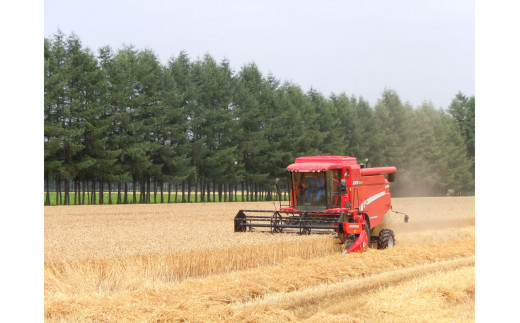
x,y
214,297
303,302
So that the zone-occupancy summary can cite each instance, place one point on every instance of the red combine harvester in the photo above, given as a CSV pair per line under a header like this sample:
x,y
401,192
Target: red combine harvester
x,y
331,194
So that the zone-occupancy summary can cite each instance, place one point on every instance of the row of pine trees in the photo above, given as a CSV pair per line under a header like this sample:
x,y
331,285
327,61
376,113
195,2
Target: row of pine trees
x,y
120,122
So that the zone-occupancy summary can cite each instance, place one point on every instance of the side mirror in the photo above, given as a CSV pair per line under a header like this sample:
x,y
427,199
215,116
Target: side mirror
x,y
343,185
391,177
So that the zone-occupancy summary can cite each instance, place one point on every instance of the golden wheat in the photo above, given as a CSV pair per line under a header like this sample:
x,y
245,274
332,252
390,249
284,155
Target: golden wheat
x,y
183,261
446,295
360,297
216,293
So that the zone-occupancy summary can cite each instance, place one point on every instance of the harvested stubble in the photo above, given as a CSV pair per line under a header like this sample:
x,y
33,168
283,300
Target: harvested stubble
x,y
218,296
446,294
452,280
146,280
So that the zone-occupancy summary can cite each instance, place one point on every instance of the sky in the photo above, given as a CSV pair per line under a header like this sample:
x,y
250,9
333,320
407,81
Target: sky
x,y
424,50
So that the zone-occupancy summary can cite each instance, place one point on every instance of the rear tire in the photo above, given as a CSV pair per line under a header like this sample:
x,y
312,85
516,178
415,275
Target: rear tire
x,y
386,239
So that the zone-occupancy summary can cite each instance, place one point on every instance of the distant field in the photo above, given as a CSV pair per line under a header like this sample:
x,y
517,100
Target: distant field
x,y
183,262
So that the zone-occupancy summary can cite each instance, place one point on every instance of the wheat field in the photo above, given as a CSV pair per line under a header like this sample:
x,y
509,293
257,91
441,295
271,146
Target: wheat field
x,y
183,262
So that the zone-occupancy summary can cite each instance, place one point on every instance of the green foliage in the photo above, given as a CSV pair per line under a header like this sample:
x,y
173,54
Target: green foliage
x,y
123,119
462,110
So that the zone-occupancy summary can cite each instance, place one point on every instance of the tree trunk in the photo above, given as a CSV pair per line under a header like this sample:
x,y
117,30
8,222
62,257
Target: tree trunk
x,y
162,192
169,192
189,189
78,192
196,192
226,189
64,197
67,191
142,187
243,187
220,192
208,196
118,192
109,192
142,195
84,190
126,193
148,195
101,191
176,190
135,192
214,189
47,191
202,190
57,189
74,191
226,192
93,192
182,188
155,190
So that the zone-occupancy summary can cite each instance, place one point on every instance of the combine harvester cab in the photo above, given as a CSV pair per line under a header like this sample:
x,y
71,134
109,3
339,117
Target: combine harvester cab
x,y
331,194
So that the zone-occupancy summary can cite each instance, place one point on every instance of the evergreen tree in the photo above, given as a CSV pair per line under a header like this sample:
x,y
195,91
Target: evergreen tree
x,y
212,128
392,136
329,124
128,100
462,109
173,153
425,151
53,59
251,103
124,118
151,114
183,98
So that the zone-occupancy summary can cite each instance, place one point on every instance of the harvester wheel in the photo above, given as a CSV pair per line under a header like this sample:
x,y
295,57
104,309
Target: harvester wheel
x,y
386,239
368,229
240,220
276,220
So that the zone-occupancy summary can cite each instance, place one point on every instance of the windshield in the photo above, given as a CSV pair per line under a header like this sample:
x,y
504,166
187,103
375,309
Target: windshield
x,y
312,191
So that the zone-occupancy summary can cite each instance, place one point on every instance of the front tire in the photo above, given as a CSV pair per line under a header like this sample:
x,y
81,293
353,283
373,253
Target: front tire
x,y
386,239
368,229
